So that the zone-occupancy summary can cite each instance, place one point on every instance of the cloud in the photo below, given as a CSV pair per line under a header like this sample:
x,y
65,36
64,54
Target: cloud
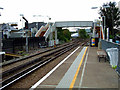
x,y
58,10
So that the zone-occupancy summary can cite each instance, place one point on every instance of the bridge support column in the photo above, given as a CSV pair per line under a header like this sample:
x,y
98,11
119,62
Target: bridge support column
x,y
51,41
56,40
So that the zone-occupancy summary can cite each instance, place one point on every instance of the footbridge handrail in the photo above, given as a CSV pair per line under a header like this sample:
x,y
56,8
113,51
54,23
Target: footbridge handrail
x,y
42,28
50,29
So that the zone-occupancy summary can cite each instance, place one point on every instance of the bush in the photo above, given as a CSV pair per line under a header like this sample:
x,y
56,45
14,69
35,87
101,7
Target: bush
x,y
64,35
83,34
67,34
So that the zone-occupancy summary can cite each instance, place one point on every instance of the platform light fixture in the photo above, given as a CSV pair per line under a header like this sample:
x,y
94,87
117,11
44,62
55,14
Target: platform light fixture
x,y
1,8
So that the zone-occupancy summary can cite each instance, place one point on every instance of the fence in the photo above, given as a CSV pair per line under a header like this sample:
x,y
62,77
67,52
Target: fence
x,y
106,45
13,45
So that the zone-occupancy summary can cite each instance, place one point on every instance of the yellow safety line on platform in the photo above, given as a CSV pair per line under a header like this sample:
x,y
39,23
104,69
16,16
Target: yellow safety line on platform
x,y
76,74
13,55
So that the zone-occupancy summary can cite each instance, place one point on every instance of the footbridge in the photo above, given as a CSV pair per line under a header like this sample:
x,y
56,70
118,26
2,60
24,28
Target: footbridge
x,y
74,24
47,30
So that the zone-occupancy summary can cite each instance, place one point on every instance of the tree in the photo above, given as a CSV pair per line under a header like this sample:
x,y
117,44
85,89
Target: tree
x,y
63,34
82,33
112,16
67,33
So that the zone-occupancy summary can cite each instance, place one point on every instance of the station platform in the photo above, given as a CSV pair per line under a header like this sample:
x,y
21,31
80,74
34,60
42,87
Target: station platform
x,y
80,70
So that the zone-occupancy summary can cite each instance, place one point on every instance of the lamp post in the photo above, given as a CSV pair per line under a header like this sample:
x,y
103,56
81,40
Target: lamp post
x,y
99,43
94,22
104,18
22,15
1,36
1,44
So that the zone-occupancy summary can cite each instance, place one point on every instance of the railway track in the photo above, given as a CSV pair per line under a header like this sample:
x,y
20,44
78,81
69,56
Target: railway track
x,y
30,59
17,72
38,53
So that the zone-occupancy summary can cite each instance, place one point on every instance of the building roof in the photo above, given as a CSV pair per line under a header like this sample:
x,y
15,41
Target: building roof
x,y
32,25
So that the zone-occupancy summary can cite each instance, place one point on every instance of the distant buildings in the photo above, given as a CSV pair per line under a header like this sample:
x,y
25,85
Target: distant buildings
x,y
10,30
36,24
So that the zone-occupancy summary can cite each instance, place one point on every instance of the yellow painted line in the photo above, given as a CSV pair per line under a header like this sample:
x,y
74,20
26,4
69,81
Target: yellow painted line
x,y
76,74
13,55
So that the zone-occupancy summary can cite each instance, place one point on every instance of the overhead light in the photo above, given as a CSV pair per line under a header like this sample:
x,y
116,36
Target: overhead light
x,y
106,6
94,7
21,15
1,8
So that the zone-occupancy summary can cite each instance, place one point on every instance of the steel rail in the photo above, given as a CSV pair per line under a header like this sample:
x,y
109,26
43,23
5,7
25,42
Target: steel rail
x,y
5,73
21,59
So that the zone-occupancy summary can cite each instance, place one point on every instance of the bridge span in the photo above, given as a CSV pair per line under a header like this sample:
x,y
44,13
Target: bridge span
x,y
74,24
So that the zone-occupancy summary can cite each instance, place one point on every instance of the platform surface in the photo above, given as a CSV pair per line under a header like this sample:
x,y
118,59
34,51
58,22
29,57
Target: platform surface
x,y
92,73
72,72
98,74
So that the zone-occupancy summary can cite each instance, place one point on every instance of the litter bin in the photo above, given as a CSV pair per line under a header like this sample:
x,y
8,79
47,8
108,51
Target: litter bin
x,y
113,56
94,42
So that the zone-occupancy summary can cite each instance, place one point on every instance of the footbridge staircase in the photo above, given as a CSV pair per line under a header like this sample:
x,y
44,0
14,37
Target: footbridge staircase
x,y
47,32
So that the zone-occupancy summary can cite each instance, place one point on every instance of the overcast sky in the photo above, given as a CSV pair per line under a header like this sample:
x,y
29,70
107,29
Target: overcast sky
x,y
58,10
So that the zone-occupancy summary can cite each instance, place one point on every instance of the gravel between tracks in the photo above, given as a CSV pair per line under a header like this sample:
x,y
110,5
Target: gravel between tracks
x,y
5,68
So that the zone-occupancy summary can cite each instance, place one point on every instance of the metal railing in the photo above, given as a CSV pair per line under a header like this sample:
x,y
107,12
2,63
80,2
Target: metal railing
x,y
47,32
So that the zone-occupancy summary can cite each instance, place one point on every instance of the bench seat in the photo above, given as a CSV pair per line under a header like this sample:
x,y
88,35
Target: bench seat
x,y
101,54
